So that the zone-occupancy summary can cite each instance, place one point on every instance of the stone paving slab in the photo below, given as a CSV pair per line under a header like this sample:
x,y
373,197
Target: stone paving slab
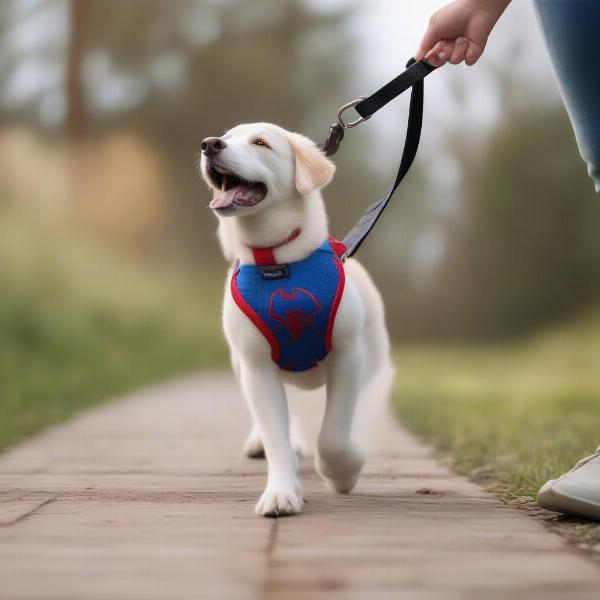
x,y
149,497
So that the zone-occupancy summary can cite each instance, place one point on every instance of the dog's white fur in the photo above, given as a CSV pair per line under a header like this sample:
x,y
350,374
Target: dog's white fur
x,y
294,170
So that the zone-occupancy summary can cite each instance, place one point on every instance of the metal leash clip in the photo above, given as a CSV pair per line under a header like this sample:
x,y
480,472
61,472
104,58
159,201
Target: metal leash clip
x,y
336,130
343,109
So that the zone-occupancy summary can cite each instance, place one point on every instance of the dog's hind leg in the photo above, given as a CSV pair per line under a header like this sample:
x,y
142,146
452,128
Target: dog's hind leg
x,y
253,446
339,460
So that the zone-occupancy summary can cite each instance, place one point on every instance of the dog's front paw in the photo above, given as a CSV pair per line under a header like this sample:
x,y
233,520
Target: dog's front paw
x,y
279,502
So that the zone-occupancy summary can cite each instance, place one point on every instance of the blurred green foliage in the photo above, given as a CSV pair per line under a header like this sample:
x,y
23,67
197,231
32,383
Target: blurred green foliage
x,y
524,249
78,326
534,243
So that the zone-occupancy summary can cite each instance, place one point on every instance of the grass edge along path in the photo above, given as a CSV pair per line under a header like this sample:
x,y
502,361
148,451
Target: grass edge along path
x,y
509,417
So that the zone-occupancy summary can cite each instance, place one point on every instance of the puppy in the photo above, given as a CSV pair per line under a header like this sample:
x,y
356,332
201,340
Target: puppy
x,y
293,312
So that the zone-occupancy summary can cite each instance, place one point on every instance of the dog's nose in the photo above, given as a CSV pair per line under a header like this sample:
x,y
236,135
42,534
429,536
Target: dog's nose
x,y
211,146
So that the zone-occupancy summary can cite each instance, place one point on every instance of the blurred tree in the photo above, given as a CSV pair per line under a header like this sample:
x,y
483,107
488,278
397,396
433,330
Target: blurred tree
x,y
527,248
76,112
172,73
533,243
196,68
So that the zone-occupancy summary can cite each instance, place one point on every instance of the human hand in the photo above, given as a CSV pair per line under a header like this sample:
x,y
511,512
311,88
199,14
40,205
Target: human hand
x,y
459,31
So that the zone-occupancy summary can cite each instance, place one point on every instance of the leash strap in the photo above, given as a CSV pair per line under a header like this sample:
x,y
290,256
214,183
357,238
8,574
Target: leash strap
x,y
366,107
414,74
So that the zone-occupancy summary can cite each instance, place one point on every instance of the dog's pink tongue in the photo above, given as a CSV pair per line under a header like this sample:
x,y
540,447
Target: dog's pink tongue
x,y
226,198
242,195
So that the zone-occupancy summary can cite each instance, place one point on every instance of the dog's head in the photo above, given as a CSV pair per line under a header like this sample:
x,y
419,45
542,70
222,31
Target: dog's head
x,y
255,165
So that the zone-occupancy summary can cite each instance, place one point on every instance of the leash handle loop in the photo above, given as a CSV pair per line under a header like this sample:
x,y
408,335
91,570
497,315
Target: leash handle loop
x,y
415,72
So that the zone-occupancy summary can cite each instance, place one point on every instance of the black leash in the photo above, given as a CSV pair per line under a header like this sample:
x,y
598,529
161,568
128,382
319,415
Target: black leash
x,y
366,107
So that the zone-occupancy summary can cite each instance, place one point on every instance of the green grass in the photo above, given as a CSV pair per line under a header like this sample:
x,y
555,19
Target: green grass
x,y
78,326
512,416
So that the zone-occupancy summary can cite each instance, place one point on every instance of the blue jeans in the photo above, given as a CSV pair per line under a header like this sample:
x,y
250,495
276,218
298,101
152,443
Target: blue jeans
x,y
572,32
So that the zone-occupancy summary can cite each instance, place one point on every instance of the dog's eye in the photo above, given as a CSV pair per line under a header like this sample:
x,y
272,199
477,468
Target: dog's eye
x,y
260,142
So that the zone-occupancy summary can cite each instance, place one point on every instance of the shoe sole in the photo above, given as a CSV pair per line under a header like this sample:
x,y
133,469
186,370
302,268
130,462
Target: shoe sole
x,y
551,499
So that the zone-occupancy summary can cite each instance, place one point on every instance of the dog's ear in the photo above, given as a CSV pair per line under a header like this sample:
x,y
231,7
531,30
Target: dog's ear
x,y
313,169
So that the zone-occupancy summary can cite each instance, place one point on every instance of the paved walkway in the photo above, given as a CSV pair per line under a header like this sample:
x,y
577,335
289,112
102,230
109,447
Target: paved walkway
x,y
149,497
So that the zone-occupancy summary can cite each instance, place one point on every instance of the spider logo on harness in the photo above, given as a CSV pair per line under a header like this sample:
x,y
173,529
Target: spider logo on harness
x,y
295,310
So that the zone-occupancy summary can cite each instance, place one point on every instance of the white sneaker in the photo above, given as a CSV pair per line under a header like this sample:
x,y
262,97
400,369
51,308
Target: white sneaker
x,y
577,492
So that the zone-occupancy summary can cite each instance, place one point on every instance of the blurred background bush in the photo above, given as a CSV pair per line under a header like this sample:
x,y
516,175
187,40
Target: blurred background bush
x,y
109,267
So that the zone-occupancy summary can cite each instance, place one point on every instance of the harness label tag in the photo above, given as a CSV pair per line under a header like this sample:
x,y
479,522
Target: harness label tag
x,y
274,272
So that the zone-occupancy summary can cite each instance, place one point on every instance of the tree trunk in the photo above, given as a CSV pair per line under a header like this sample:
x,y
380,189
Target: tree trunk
x,y
76,117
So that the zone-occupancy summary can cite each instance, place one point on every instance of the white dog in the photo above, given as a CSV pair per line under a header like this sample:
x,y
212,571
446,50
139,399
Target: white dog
x,y
266,186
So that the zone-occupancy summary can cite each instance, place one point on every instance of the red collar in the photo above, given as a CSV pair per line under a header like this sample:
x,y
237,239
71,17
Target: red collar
x,y
264,257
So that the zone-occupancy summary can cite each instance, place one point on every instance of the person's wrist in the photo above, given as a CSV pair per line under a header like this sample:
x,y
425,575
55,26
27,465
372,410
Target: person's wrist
x,y
493,8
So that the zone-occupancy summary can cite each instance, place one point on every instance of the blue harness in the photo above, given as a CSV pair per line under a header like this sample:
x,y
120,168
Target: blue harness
x,y
294,305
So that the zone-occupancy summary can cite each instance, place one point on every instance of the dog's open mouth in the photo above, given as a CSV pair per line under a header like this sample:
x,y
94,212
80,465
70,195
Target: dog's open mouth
x,y
233,191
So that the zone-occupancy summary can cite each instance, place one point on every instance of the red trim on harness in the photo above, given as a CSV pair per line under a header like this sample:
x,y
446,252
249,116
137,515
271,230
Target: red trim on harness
x,y
264,257
251,314
336,299
338,247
